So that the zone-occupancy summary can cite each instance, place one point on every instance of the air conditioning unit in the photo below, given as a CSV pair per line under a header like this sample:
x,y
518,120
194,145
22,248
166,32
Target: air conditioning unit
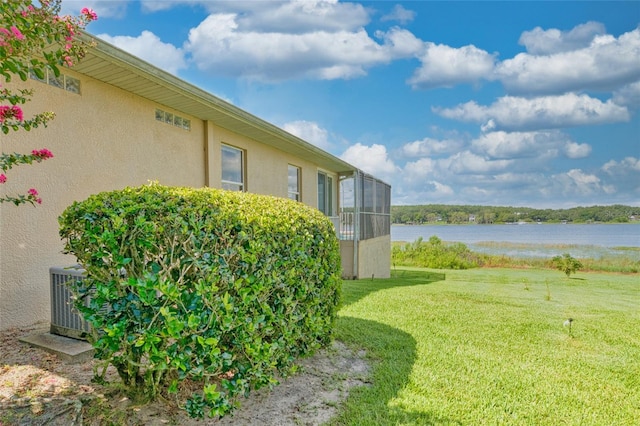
x,y
65,319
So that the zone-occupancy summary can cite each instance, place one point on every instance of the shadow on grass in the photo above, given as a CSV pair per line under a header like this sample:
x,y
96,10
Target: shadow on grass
x,y
358,289
391,354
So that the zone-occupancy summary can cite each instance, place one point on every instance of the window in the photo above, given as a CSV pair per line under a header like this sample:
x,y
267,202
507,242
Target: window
x,y
172,119
294,183
62,81
325,193
232,168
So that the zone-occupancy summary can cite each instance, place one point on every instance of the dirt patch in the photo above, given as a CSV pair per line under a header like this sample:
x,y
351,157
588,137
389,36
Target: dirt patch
x,y
36,388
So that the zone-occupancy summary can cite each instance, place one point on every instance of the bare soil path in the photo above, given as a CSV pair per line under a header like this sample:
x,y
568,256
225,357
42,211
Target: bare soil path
x,y
36,388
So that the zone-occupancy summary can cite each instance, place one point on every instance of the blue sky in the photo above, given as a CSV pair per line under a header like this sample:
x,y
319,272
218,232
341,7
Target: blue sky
x,y
494,103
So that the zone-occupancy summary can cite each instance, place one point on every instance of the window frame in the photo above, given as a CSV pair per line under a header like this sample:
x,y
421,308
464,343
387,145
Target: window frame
x,y
232,185
326,205
296,194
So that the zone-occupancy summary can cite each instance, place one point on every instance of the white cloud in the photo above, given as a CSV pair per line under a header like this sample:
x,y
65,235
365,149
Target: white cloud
x,y
219,45
441,189
294,16
419,170
467,162
624,175
372,159
103,8
298,16
445,66
534,180
155,5
575,150
537,146
625,167
310,132
584,58
149,47
547,112
400,14
506,145
423,179
605,64
400,43
628,95
428,146
545,42
576,182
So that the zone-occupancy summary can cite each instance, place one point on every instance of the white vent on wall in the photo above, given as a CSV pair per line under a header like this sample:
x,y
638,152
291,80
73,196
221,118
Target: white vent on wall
x,y
65,319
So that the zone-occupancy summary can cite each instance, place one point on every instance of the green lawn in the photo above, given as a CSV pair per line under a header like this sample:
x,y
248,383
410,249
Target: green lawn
x,y
488,346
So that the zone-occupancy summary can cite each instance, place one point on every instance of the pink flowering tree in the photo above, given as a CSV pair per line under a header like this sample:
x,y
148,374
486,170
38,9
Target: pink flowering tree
x,y
34,40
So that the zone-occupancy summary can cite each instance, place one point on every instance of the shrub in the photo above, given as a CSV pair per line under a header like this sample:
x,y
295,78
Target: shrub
x,y
224,288
567,264
434,254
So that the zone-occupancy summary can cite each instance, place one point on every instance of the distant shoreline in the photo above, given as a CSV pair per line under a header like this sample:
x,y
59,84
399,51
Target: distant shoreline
x,y
584,234
637,222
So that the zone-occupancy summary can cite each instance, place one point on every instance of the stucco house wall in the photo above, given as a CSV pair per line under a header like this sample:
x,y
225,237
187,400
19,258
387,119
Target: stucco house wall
x,y
346,259
108,137
374,258
266,166
105,139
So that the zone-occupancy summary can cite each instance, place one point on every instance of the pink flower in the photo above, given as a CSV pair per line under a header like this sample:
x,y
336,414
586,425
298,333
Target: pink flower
x,y
16,33
89,14
43,153
7,112
3,178
70,29
33,195
68,61
17,113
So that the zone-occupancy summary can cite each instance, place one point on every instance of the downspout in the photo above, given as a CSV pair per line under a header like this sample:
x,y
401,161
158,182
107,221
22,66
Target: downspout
x,y
209,155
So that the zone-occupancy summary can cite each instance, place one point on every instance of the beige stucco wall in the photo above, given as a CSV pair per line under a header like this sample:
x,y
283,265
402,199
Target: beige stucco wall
x,y
266,167
346,257
103,139
374,257
106,139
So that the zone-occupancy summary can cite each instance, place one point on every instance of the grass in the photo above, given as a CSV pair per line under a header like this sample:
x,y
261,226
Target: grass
x,y
488,346
531,255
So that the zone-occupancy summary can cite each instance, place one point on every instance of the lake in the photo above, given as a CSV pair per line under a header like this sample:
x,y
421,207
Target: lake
x,y
594,240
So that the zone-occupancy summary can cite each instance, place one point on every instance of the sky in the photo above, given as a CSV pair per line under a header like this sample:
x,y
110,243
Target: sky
x,y
508,103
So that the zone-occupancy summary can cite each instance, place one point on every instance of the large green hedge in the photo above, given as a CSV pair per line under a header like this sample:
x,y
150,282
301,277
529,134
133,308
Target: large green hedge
x,y
222,288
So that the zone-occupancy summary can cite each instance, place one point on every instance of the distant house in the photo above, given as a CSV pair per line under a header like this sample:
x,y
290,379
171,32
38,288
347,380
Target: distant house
x,y
123,122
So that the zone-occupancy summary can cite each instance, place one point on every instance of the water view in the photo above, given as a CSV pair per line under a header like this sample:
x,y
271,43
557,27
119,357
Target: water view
x,y
532,240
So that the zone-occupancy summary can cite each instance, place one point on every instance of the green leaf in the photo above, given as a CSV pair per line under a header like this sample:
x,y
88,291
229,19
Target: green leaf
x,y
193,321
11,65
210,393
39,73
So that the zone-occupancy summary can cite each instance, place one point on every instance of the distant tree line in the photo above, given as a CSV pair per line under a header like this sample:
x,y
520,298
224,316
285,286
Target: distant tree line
x,y
458,214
